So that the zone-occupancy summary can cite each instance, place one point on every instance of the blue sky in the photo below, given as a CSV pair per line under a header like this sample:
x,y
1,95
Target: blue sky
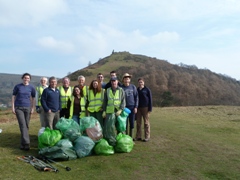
x,y
57,37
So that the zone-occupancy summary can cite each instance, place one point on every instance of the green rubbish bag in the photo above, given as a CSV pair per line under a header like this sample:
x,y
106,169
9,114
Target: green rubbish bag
x,y
91,127
69,128
49,138
60,153
103,148
109,130
124,143
122,120
66,143
83,146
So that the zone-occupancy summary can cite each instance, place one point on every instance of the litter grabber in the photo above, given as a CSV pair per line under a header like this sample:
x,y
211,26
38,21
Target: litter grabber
x,y
52,161
38,164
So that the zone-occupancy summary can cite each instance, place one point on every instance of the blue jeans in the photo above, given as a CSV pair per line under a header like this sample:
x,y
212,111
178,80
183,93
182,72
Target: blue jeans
x,y
131,118
76,118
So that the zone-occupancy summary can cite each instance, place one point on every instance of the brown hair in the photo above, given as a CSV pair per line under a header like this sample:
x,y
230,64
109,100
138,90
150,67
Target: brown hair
x,y
99,88
141,79
74,93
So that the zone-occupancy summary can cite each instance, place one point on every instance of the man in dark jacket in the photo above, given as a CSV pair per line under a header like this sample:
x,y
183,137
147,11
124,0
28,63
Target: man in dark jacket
x,y
51,103
112,75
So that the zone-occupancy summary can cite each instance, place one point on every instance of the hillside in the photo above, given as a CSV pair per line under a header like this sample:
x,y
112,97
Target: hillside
x,y
179,85
171,85
8,81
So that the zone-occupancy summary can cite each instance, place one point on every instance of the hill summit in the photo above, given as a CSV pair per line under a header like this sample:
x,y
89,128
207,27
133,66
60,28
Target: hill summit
x,y
178,85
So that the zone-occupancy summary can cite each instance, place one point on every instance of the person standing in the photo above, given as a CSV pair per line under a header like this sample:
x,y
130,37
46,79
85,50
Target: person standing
x,y
39,91
113,105
112,75
51,103
23,101
100,78
131,96
144,109
82,86
65,93
95,101
77,105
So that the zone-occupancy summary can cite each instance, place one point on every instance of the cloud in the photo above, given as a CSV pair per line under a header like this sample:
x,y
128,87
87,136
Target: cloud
x,y
52,44
215,33
29,12
104,38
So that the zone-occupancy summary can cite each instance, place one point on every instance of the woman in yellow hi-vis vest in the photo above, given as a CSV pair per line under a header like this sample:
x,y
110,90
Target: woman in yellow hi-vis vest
x,y
113,104
95,100
78,105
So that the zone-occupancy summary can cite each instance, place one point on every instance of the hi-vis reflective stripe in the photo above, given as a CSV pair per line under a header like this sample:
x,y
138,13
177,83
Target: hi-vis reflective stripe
x,y
40,91
91,97
95,102
114,101
65,95
83,103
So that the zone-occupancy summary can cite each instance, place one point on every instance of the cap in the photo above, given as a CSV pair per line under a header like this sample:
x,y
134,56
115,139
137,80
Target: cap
x,y
126,75
114,78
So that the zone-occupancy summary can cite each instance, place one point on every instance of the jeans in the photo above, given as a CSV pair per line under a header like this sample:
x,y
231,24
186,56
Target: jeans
x,y
131,118
76,118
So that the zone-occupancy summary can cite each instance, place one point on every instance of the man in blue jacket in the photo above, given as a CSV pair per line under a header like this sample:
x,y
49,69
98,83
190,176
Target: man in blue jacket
x,y
51,103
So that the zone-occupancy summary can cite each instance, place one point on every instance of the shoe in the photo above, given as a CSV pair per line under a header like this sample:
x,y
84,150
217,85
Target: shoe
x,y
137,139
145,140
27,148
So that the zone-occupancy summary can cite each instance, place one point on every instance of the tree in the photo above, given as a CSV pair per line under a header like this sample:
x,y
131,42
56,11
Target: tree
x,y
167,99
89,63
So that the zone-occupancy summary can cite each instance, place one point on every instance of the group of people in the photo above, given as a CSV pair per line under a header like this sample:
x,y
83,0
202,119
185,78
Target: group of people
x,y
103,101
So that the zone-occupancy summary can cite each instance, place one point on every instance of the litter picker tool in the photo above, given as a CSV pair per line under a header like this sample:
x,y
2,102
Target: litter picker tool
x,y
38,164
65,167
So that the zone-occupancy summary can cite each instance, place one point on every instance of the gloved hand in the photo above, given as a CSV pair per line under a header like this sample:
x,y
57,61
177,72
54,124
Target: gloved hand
x,y
104,114
37,109
118,112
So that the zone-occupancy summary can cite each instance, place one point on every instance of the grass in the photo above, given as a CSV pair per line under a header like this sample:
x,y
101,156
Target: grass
x,y
186,143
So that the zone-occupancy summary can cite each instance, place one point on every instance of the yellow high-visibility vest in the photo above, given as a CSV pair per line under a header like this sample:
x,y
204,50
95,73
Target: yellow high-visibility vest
x,y
85,90
39,89
114,101
95,102
65,95
82,105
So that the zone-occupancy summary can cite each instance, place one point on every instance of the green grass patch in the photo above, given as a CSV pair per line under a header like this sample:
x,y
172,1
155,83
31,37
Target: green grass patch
x,y
186,143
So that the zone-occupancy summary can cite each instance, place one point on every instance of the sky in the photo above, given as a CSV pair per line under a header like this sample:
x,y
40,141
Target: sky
x,y
58,37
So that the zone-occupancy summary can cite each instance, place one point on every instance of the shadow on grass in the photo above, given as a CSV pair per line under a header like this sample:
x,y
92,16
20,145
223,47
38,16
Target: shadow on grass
x,y
11,142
